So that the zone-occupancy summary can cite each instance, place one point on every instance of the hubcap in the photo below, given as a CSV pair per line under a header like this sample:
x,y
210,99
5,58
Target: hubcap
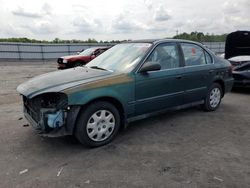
x,y
215,97
100,125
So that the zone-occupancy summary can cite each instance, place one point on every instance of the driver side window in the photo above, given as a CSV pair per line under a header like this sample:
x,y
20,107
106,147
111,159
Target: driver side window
x,y
166,55
97,52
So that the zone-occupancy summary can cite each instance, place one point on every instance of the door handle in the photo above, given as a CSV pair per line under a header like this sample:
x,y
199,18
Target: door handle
x,y
178,77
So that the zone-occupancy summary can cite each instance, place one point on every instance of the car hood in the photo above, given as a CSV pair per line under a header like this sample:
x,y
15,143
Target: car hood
x,y
240,58
60,80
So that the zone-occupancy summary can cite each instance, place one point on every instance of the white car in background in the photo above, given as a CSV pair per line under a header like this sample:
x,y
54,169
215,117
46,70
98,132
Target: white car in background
x,y
237,51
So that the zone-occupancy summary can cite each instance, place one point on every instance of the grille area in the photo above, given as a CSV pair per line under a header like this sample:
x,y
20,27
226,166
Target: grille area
x,y
31,109
60,60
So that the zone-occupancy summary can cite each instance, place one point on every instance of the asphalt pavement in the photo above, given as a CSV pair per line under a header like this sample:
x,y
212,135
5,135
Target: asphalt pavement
x,y
187,148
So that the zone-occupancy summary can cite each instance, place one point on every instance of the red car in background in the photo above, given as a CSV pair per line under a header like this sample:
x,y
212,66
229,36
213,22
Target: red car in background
x,y
80,59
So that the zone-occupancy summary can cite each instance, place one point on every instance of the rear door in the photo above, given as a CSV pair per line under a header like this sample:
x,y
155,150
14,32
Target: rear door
x,y
156,90
198,72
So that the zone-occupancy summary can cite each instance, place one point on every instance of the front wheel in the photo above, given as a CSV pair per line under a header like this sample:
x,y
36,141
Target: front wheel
x,y
213,98
98,124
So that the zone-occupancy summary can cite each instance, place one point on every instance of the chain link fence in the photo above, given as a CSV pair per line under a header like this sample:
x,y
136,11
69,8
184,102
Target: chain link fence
x,y
30,51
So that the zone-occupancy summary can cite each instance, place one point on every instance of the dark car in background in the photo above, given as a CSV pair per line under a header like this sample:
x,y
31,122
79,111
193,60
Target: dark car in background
x,y
80,59
130,81
237,51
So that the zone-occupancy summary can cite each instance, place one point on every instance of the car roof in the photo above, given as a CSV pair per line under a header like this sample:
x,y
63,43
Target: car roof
x,y
156,41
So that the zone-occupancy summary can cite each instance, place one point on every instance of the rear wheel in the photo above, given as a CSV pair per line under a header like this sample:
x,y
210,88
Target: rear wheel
x,y
213,98
98,124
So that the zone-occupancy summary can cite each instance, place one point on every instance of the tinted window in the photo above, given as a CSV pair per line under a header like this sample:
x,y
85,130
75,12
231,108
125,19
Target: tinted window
x,y
102,50
97,52
166,55
193,54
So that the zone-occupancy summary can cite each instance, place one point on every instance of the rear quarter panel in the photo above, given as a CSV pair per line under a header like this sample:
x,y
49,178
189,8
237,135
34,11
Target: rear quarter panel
x,y
224,73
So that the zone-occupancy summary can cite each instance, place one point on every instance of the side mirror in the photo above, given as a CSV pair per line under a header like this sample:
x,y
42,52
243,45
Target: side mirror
x,y
150,66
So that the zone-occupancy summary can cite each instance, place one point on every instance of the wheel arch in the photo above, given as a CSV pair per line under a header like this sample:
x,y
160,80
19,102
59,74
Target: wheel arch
x,y
109,99
222,84
118,104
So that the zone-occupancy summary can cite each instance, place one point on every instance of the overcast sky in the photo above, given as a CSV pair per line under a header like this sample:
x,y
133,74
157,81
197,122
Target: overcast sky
x,y
120,19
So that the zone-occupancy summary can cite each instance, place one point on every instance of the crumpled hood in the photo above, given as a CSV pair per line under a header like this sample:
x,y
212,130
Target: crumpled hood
x,y
242,67
242,74
60,80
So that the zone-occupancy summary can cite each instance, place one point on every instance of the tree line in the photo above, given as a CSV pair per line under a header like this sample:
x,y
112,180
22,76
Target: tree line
x,y
201,37
194,36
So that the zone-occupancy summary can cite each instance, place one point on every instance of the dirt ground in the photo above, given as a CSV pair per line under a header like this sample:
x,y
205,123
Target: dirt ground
x,y
187,148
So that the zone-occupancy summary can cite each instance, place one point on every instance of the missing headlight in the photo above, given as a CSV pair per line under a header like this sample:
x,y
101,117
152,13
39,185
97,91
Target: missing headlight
x,y
49,100
48,111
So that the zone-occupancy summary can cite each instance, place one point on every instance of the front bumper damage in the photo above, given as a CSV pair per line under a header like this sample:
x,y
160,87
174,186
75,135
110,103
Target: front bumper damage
x,y
242,83
51,122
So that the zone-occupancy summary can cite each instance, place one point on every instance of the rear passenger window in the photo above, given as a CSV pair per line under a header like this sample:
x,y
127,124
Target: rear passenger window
x,y
193,54
208,58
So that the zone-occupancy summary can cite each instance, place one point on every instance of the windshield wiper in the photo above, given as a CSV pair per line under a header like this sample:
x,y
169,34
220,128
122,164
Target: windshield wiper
x,y
100,68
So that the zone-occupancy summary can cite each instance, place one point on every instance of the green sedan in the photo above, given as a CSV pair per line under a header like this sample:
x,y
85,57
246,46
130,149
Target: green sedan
x,y
128,82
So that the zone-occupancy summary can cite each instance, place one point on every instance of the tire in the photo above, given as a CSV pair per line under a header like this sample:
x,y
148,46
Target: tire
x,y
98,124
213,98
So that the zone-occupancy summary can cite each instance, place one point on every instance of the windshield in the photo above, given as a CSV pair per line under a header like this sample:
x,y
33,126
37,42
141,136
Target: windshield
x,y
121,57
88,52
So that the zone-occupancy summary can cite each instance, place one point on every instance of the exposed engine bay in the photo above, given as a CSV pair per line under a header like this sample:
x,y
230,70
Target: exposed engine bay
x,y
47,111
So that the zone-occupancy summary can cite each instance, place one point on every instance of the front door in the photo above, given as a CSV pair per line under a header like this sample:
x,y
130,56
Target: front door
x,y
156,90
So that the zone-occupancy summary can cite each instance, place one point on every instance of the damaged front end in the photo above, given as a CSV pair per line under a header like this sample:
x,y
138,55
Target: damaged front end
x,y
50,114
241,74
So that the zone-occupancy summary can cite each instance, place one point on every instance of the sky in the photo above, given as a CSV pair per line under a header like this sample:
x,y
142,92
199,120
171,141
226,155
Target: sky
x,y
120,19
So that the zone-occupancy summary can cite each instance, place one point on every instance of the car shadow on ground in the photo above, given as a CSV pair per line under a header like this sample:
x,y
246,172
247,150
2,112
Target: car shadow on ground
x,y
157,123
242,90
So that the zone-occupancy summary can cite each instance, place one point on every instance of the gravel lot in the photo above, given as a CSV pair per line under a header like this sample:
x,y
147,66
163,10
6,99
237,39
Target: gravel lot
x,y
187,148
